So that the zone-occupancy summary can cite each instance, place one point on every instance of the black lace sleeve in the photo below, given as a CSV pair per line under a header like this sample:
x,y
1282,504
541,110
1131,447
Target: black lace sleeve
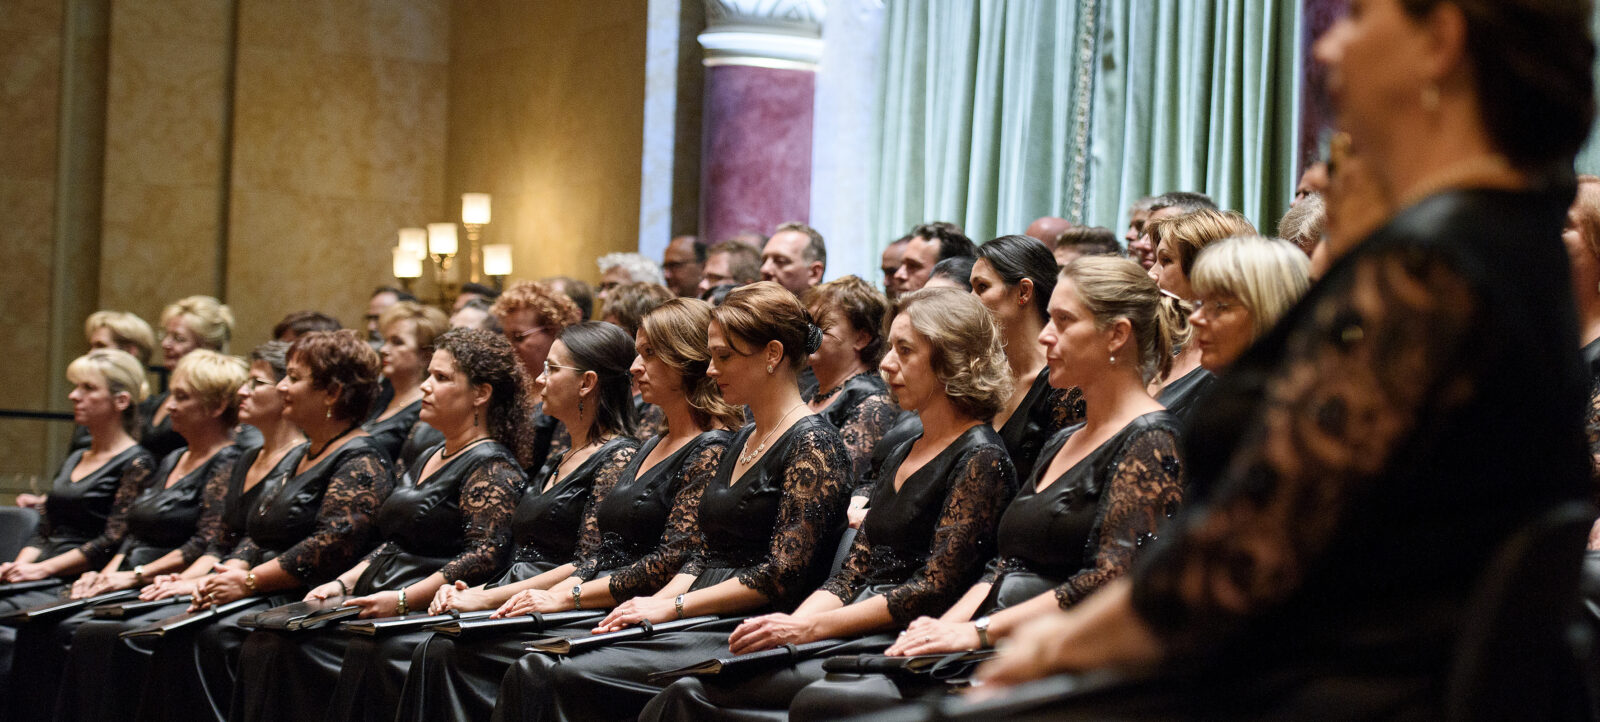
x,y
246,551
816,486
962,540
488,497
1373,353
1144,491
605,479
1591,429
211,535
863,428
135,477
345,522
653,570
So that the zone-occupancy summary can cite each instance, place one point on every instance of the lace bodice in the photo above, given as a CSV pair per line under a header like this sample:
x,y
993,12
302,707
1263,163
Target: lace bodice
x,y
359,477
862,411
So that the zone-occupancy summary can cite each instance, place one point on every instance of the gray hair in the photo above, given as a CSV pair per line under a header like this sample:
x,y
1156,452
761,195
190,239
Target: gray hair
x,y
639,268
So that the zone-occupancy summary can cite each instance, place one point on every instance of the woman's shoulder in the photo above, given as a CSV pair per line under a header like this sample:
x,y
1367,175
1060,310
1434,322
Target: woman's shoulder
x,y
711,439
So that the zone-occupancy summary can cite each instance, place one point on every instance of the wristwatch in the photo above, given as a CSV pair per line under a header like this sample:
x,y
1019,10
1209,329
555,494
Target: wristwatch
x,y
138,573
250,582
577,596
982,625
677,603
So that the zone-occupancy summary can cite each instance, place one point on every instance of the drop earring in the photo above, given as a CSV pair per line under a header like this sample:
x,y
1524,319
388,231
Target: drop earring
x,y
329,414
1113,359
474,416
580,405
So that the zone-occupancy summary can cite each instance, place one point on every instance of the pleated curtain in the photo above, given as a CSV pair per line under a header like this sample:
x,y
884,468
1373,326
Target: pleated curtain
x,y
996,112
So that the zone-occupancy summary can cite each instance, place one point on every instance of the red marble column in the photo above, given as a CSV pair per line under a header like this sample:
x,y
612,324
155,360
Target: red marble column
x,y
1316,116
756,166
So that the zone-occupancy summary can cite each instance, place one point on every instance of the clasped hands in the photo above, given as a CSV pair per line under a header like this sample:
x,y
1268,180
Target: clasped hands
x,y
93,583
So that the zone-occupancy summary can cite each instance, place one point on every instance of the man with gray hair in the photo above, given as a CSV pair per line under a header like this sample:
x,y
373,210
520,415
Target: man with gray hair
x,y
795,257
619,268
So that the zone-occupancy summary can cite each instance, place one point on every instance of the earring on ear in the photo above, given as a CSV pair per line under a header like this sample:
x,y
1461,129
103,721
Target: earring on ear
x,y
329,414
474,415
1113,359
580,405
769,368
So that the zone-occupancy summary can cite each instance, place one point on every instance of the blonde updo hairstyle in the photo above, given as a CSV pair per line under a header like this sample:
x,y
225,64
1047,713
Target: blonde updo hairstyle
x,y
122,374
215,378
764,311
677,331
968,356
126,329
1116,288
1267,275
209,319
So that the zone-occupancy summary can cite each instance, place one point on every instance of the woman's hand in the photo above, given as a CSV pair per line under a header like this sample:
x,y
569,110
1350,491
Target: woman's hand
x,y
382,604
102,583
32,501
529,601
444,598
636,610
167,586
856,515
1034,652
771,630
327,590
85,582
23,571
226,585
928,635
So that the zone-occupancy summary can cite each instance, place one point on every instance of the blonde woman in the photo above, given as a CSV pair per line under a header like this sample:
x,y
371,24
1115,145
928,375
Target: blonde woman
x,y
196,322
1242,287
409,330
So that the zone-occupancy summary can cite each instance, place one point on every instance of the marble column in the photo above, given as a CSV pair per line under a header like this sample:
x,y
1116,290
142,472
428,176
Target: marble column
x,y
761,59
1316,117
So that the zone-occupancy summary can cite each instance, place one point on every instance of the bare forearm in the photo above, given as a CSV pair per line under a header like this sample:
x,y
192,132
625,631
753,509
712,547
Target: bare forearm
x,y
853,620
727,597
967,606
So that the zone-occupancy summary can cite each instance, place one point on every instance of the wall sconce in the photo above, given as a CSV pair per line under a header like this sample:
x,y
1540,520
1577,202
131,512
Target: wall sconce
x,y
474,215
415,240
497,263
407,266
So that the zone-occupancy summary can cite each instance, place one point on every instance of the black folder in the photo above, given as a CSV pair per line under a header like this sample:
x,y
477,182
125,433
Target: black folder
x,y
301,615
645,630
746,663
28,586
409,623
64,608
123,610
535,622
917,664
185,619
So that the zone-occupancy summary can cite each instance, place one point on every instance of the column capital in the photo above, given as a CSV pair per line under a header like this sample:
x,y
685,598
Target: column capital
x,y
764,33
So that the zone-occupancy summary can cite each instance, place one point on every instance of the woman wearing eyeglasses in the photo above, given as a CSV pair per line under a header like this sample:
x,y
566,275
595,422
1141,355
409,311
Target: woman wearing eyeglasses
x,y
533,315
1242,286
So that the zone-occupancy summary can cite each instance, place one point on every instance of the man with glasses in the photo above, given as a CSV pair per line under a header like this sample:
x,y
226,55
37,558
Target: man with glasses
x,y
683,263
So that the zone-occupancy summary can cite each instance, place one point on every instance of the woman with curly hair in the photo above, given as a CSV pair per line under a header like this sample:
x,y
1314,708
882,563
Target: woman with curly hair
x,y
475,396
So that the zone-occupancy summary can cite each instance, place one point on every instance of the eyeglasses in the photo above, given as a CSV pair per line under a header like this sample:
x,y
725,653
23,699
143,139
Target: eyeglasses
x,y
1210,309
517,337
548,366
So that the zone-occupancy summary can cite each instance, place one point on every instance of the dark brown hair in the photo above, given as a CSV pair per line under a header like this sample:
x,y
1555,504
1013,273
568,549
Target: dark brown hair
x,y
343,358
765,311
487,358
857,302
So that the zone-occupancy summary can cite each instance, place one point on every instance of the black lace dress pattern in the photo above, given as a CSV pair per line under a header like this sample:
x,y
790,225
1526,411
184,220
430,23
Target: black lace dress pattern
x,y
1349,489
652,420
770,528
921,545
1043,412
89,514
319,521
862,411
390,434
1086,527
645,523
456,521
551,519
185,515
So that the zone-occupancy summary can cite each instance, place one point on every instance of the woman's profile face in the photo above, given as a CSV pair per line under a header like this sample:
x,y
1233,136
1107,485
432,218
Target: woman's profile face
x,y
187,409
92,400
657,381
908,367
1223,328
1168,273
1580,252
562,382
838,348
1376,60
738,371
302,401
259,401
447,397
1074,349
994,294
401,357
177,339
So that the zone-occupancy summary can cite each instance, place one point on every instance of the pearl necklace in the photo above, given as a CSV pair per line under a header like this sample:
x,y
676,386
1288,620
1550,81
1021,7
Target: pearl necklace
x,y
749,456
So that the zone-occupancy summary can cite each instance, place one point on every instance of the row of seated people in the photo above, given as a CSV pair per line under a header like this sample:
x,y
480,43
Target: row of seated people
x,y
292,513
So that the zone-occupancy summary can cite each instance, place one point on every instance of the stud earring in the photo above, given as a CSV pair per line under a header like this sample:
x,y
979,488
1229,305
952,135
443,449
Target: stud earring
x,y
769,368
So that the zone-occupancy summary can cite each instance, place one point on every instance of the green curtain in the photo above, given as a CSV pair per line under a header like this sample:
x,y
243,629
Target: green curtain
x,y
1000,111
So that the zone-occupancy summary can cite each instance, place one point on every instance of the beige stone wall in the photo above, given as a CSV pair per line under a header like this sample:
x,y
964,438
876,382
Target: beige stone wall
x,y
547,114
30,71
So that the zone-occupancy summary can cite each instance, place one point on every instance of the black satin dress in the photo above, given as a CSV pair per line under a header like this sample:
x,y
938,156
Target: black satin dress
x,y
1067,539
185,515
1043,412
919,548
431,676
422,438
455,522
774,530
103,670
862,411
316,524
390,434
1186,393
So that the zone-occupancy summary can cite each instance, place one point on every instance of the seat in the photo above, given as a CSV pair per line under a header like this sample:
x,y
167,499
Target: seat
x,y
16,527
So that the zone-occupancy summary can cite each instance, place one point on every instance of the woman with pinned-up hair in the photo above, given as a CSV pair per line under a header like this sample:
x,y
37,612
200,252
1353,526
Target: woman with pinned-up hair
x,y
768,523
196,322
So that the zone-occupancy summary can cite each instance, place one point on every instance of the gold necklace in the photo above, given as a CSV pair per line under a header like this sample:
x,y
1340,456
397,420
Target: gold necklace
x,y
749,456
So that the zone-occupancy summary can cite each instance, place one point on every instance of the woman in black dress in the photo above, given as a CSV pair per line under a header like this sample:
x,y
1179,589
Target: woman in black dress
x,y
1178,242
1101,492
83,522
103,670
175,522
929,528
446,521
408,329
313,518
637,534
1013,277
851,395
196,322
768,521
1242,286
1350,494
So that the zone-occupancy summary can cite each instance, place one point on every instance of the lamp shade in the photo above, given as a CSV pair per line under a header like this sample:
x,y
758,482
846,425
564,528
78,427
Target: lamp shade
x,y
415,240
497,259
442,239
475,208
406,263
